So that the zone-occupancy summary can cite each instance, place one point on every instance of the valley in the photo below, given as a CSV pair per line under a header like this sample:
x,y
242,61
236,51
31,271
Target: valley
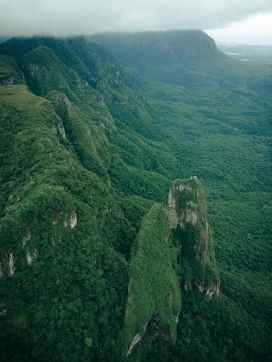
x,y
105,140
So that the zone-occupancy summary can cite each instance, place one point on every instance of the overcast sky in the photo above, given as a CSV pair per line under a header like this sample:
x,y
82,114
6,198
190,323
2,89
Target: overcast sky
x,y
243,21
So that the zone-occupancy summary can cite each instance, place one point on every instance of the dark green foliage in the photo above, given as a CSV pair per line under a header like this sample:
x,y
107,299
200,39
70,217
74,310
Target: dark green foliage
x,y
131,181
164,56
153,289
216,331
9,71
89,143
230,151
82,164
190,58
57,299
186,209
67,50
134,208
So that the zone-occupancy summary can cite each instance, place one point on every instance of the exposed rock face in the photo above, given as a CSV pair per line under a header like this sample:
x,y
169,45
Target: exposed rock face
x,y
212,289
99,98
72,220
26,238
7,266
30,257
137,339
114,75
167,47
33,70
63,101
11,264
182,210
186,210
7,81
112,88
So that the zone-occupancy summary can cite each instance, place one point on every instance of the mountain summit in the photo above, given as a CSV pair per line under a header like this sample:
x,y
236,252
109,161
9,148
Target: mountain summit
x,y
163,55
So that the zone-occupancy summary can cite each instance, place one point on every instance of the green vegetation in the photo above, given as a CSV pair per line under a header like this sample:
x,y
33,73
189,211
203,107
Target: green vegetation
x,y
164,56
88,152
153,289
186,209
9,71
60,225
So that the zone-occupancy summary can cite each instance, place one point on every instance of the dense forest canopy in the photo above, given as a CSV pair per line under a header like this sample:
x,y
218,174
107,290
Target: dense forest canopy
x,y
135,199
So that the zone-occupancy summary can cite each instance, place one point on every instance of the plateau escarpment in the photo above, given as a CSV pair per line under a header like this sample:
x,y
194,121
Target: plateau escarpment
x,y
165,47
165,55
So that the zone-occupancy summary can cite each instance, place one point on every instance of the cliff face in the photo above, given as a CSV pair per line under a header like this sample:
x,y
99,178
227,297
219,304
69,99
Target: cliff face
x,y
186,210
165,55
174,241
165,47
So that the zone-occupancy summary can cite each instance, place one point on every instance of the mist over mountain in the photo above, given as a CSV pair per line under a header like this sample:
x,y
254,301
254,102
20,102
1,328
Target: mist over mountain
x,y
161,48
54,18
135,207
184,57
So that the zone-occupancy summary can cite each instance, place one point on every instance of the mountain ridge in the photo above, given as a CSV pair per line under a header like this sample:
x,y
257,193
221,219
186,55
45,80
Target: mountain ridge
x,y
91,266
171,51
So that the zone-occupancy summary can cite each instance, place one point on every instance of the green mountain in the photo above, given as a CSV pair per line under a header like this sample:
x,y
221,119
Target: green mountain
x,y
189,58
175,57
102,255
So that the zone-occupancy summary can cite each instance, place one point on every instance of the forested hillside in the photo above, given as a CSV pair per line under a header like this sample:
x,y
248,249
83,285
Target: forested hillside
x,y
135,208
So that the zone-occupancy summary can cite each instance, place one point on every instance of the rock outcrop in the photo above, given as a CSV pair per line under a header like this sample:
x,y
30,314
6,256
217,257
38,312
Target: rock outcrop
x,y
186,210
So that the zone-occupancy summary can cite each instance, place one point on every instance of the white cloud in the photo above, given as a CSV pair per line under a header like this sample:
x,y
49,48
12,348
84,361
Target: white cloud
x,y
254,30
70,17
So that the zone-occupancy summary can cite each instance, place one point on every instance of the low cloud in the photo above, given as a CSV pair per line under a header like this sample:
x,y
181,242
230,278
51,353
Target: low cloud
x,y
70,17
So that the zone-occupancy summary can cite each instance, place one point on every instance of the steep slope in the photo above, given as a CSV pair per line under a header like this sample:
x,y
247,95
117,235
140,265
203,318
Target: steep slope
x,y
61,274
185,57
87,59
10,73
44,73
64,237
87,272
165,56
61,236
173,250
160,48
153,289
186,210
63,48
